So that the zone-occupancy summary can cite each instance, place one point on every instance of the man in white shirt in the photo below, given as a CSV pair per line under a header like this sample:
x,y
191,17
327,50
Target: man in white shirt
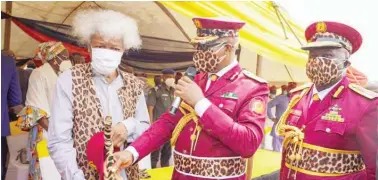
x,y
89,93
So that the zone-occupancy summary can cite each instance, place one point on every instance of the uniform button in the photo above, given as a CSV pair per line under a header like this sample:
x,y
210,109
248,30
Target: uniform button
x,y
220,105
328,130
191,129
184,151
209,130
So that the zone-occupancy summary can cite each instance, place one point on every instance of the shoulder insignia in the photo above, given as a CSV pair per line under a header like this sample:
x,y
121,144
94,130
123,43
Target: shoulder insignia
x,y
362,91
299,88
254,77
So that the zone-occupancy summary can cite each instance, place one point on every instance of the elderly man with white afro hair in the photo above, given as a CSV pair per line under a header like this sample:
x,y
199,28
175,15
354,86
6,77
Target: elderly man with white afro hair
x,y
88,94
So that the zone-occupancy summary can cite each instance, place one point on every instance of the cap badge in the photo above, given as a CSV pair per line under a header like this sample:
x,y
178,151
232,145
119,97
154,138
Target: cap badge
x,y
321,27
198,24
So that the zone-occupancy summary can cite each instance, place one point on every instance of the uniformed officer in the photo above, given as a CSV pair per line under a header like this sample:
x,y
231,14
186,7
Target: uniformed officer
x,y
221,121
159,100
330,126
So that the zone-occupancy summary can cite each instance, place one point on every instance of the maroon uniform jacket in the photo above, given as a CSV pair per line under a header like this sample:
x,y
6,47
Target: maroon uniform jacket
x,y
231,127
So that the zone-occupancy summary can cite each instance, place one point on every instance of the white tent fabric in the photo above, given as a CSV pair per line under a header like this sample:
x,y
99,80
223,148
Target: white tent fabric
x,y
152,21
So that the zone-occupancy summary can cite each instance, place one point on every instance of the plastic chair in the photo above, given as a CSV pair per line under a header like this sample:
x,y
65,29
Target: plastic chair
x,y
16,170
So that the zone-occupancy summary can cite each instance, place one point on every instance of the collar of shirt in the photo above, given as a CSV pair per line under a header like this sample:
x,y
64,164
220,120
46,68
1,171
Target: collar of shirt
x,y
323,94
103,79
225,69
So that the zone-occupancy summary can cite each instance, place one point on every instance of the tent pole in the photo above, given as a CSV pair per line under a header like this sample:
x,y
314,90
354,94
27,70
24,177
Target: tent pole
x,y
238,53
169,14
7,29
258,65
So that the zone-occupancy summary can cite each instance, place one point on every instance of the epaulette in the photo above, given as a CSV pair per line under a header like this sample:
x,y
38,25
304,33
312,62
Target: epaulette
x,y
299,88
152,90
254,77
362,91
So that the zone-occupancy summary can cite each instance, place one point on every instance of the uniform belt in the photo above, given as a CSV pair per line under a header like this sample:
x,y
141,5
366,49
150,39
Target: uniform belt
x,y
209,167
320,161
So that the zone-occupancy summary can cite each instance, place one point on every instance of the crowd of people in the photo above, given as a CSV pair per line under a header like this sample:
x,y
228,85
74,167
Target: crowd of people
x,y
326,129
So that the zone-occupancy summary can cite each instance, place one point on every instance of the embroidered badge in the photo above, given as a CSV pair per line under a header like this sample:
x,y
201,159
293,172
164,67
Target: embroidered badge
x,y
333,114
321,27
230,95
257,106
198,24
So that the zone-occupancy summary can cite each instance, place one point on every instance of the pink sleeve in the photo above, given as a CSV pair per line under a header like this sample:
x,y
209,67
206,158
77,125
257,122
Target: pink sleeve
x,y
159,133
368,139
244,134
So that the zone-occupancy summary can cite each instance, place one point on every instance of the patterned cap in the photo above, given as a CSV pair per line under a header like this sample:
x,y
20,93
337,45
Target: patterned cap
x,y
210,29
332,35
48,50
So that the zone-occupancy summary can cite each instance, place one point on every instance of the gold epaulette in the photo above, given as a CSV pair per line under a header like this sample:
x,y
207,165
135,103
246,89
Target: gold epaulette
x,y
362,91
254,77
299,88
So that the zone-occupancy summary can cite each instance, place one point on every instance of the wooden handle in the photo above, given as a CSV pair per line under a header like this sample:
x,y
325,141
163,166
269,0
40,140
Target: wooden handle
x,y
249,168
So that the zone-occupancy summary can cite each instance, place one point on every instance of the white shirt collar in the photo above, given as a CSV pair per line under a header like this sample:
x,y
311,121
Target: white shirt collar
x,y
324,93
225,69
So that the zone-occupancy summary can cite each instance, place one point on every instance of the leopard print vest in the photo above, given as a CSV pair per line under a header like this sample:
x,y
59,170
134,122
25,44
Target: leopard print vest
x,y
87,111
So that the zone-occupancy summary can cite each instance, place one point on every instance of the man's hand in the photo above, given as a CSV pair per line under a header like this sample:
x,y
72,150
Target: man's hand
x,y
189,91
44,123
122,159
118,134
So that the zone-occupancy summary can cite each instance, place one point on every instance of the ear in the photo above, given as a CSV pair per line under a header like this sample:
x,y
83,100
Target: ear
x,y
228,49
90,51
347,64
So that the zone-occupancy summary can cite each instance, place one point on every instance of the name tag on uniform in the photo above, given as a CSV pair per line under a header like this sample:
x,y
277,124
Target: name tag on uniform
x,y
230,95
166,95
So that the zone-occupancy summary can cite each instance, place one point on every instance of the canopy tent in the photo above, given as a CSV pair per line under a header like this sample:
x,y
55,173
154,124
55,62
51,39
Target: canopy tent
x,y
174,23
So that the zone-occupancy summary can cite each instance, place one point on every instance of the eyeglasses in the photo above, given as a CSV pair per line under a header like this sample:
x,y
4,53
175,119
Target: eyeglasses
x,y
209,46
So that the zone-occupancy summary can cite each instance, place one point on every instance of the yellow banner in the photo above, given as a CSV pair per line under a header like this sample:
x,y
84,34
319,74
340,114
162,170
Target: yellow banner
x,y
263,32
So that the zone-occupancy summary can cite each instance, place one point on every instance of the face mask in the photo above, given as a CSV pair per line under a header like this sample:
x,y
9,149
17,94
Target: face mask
x,y
170,82
323,71
207,61
105,61
65,65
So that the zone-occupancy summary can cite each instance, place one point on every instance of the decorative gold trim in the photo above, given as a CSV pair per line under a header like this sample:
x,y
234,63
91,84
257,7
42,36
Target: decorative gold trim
x,y
362,91
281,125
307,85
323,149
339,90
316,173
91,164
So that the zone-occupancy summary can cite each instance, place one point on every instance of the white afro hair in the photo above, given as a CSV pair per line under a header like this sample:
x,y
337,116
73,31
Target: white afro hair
x,y
109,24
